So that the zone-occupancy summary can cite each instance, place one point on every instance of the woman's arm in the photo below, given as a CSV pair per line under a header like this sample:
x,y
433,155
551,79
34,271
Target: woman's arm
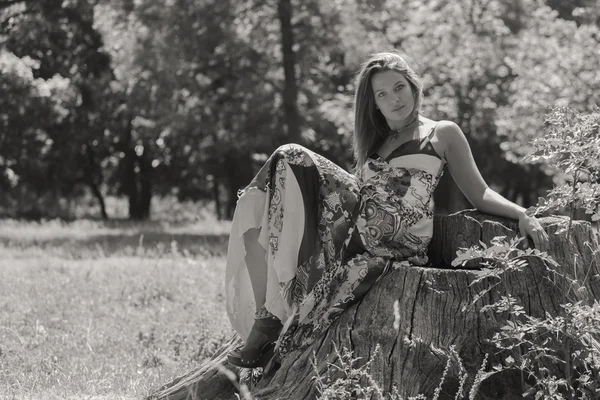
x,y
457,152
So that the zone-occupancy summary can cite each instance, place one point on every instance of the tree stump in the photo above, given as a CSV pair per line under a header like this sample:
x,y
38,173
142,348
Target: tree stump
x,y
436,311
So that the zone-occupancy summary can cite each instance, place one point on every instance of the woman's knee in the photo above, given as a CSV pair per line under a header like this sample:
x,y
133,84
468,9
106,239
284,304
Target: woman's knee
x,y
291,148
292,153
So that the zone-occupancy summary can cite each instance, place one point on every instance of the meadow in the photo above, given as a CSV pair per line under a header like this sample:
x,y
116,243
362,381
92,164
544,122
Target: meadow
x,y
107,310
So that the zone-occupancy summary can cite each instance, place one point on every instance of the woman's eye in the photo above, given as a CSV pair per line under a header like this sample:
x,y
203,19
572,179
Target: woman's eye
x,y
399,87
381,94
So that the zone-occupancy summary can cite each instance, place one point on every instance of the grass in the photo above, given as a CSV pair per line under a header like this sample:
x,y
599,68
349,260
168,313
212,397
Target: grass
x,y
93,310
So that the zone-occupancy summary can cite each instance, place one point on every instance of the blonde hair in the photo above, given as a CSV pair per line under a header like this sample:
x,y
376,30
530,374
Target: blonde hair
x,y
370,126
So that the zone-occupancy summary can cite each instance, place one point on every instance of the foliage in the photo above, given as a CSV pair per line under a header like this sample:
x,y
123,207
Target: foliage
x,y
542,346
500,256
569,341
62,49
189,97
26,108
555,65
572,146
560,354
347,381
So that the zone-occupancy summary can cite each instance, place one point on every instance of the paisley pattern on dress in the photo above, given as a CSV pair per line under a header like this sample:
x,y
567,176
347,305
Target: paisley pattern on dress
x,y
357,228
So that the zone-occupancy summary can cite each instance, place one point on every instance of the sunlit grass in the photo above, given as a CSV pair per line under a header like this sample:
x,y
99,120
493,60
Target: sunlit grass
x,y
94,310
92,239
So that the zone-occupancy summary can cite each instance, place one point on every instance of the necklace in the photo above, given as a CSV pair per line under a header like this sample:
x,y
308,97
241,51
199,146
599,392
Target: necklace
x,y
395,133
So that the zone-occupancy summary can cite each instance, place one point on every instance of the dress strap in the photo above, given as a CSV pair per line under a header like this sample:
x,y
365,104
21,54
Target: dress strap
x,y
427,138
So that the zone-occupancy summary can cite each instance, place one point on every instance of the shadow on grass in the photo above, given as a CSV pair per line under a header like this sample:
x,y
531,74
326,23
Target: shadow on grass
x,y
142,243
159,242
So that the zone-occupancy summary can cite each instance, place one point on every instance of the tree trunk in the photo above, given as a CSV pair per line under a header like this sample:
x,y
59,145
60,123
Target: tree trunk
x,y
128,164
136,179
136,173
98,194
130,183
145,184
436,311
94,179
290,90
217,198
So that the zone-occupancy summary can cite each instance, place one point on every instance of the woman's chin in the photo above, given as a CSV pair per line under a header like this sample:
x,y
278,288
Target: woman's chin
x,y
398,121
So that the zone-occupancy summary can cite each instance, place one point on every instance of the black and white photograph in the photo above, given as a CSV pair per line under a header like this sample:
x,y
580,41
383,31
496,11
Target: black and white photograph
x,y
299,199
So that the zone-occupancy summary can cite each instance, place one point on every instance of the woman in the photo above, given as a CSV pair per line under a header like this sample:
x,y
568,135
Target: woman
x,y
308,238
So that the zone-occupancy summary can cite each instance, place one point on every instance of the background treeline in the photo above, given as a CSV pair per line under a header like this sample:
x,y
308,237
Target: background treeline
x,y
186,98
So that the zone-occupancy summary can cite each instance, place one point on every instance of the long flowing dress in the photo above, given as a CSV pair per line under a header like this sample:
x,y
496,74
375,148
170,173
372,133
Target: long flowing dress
x,y
326,235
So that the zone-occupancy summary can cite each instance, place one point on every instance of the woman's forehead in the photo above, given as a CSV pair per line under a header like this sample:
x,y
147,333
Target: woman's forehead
x,y
385,79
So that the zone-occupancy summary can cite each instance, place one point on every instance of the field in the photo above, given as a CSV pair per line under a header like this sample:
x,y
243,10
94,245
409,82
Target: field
x,y
93,310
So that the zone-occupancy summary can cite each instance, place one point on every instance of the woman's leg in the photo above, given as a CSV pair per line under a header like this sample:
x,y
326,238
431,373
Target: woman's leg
x,y
256,257
339,288
305,204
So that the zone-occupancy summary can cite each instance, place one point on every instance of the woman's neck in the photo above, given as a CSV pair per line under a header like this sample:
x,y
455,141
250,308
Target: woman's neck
x,y
399,125
404,127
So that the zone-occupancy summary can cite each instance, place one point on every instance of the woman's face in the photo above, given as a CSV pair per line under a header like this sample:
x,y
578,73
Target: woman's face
x,y
393,97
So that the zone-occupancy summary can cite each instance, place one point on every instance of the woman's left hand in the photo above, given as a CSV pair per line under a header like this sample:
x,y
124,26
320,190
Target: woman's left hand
x,y
529,226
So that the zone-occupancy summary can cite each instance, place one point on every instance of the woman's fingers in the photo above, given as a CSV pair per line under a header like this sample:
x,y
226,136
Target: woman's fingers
x,y
533,233
541,239
524,234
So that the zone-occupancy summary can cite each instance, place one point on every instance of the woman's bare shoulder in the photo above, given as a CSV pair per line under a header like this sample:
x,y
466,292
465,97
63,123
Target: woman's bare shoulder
x,y
446,132
445,125
440,125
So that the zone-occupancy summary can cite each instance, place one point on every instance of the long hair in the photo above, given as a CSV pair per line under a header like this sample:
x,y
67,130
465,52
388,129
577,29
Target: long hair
x,y
370,126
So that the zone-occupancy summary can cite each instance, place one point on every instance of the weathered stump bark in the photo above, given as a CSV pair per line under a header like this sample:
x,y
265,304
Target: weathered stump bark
x,y
436,311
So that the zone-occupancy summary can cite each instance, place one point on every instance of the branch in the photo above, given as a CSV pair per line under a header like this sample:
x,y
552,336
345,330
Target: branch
x,y
7,3
253,6
8,15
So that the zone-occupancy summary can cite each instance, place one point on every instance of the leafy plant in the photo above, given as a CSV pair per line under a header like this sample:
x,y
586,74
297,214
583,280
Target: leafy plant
x,y
343,379
347,380
559,353
572,146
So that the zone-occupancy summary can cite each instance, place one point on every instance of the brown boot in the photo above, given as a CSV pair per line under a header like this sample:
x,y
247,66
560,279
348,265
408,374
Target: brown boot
x,y
258,349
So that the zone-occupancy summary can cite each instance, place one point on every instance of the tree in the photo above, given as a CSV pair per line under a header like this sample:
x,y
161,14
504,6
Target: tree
x,y
25,109
290,89
60,39
554,65
188,98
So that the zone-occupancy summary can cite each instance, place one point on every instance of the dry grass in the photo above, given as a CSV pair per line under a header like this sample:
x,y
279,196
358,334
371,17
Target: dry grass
x,y
107,311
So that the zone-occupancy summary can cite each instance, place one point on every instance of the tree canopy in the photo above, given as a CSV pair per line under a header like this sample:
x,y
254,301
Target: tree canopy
x,y
187,97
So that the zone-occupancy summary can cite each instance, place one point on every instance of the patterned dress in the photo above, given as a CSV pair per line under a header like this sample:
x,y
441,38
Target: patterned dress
x,y
326,236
